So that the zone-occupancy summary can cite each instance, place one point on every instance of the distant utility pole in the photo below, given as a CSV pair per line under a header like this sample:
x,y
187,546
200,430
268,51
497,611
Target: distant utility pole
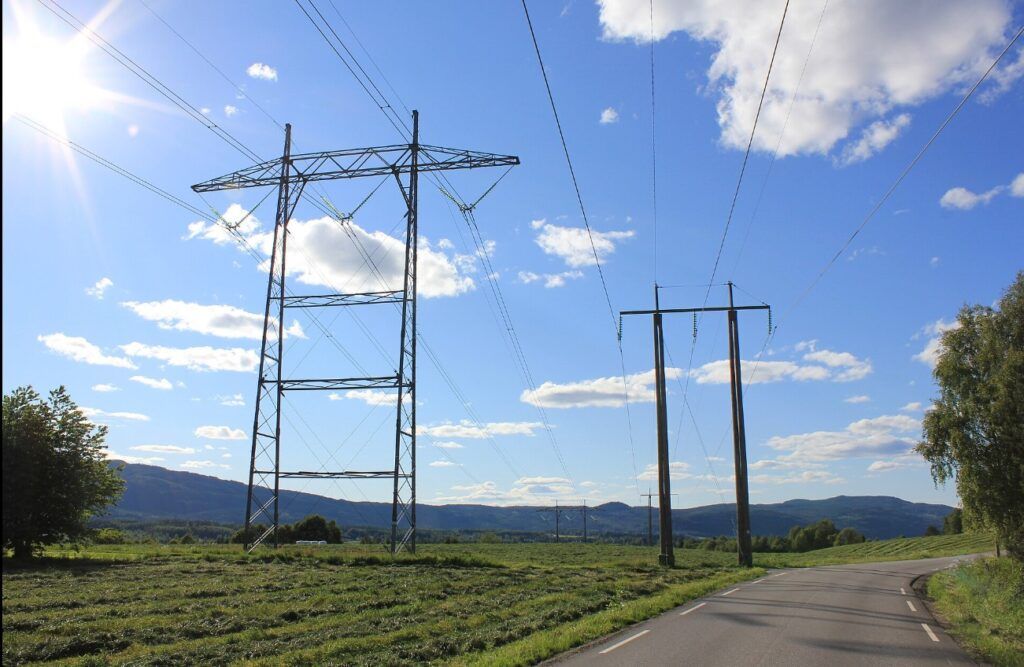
x,y
738,426
558,510
290,174
650,519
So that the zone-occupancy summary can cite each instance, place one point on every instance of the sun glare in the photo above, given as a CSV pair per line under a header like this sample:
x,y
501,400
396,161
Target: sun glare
x,y
45,79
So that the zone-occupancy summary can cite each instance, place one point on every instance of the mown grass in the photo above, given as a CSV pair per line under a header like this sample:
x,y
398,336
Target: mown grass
x,y
984,602
489,604
498,604
908,548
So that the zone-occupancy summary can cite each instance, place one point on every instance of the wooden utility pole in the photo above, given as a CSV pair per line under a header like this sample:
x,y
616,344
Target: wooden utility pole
x,y
739,431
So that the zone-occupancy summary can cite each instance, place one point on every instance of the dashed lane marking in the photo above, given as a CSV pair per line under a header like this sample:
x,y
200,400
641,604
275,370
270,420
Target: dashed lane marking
x,y
626,641
729,592
902,591
930,633
694,608
912,607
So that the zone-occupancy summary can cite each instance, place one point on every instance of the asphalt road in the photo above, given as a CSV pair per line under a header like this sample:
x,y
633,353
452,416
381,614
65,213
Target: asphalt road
x,y
839,615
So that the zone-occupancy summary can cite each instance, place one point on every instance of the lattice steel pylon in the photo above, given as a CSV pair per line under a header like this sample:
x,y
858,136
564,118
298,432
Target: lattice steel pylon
x,y
290,173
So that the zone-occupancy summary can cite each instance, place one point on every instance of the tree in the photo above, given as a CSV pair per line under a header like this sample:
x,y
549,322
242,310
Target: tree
x,y
55,474
974,434
848,536
931,531
953,523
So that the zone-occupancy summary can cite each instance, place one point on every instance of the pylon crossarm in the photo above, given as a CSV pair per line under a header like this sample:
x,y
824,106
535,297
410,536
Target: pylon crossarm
x,y
355,163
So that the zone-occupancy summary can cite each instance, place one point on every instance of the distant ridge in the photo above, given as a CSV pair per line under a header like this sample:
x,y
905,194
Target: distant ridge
x,y
153,492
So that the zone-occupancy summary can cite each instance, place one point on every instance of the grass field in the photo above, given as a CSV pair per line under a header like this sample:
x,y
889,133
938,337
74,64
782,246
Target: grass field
x,y
464,603
984,602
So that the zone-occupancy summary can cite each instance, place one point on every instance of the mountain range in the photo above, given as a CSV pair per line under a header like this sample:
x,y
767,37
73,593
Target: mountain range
x,y
153,493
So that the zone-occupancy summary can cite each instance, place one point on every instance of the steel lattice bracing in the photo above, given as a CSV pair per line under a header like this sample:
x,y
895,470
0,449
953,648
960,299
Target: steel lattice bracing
x,y
291,173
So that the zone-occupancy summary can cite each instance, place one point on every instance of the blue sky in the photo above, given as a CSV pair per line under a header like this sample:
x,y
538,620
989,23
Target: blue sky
x,y
151,317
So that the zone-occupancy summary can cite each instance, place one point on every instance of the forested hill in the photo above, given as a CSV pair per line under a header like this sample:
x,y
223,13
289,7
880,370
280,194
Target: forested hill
x,y
158,493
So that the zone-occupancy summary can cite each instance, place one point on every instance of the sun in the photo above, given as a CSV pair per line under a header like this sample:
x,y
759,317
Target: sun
x,y
47,79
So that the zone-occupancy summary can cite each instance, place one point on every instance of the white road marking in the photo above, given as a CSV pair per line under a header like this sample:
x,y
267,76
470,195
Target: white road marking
x,y
694,608
758,581
912,607
729,592
779,574
929,631
902,591
626,641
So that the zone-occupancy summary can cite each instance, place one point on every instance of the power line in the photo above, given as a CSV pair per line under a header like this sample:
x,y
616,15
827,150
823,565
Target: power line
x,y
654,151
782,133
352,64
888,193
590,236
736,192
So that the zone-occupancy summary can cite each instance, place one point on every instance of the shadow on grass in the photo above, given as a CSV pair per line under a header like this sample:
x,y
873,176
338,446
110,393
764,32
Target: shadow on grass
x,y
44,563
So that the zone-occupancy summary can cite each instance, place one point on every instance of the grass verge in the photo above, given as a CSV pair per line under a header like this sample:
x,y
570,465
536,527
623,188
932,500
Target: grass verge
x,y
542,645
984,602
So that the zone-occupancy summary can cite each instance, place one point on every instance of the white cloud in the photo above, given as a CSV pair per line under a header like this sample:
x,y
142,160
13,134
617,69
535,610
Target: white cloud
x,y
163,383
262,71
879,436
550,279
911,407
214,320
163,449
80,350
857,399
933,262
469,430
866,61
803,477
965,200
442,464
609,116
874,139
524,491
606,392
203,358
102,416
368,396
933,348
202,465
103,388
230,110
220,433
846,366
447,444
884,466
827,365
233,401
1017,186
99,288
676,470
128,458
717,372
322,253
573,245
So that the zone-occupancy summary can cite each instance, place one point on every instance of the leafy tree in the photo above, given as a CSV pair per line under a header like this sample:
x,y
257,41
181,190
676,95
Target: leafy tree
x,y
975,432
55,475
848,536
931,531
109,536
315,527
953,523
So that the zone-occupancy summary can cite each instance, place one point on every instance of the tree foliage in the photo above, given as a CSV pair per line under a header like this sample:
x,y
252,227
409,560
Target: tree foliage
x,y
311,528
953,523
974,434
55,475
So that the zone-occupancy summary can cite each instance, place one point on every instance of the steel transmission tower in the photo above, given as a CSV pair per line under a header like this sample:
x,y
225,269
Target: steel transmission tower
x,y
291,173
